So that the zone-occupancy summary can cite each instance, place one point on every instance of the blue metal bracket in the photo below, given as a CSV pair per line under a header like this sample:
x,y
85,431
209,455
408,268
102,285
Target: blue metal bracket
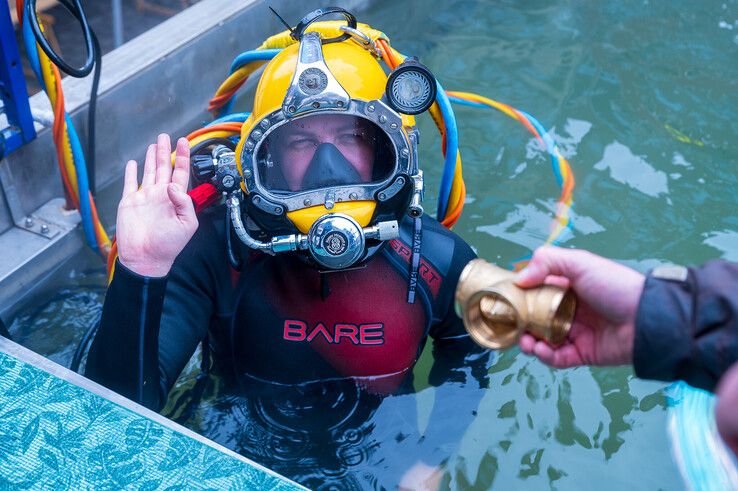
x,y
19,129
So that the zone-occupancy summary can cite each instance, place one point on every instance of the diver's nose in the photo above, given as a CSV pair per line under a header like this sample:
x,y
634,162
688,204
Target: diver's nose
x,y
329,167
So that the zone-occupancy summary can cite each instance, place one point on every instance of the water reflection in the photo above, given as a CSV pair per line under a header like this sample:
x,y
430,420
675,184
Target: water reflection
x,y
327,435
726,241
55,327
634,171
542,426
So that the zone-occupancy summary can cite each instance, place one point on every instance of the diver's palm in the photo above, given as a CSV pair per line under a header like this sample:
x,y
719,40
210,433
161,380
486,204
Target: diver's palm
x,y
156,221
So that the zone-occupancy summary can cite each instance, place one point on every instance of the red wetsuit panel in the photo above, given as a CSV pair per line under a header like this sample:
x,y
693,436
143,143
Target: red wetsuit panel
x,y
363,328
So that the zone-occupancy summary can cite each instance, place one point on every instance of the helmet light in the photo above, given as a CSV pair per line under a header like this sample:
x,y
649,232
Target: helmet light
x,y
411,88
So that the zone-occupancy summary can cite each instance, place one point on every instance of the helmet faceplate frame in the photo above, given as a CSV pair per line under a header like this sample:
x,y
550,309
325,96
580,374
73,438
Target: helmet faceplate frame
x,y
377,112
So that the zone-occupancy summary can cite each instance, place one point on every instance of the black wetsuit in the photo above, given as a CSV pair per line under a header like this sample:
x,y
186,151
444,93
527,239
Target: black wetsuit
x,y
316,351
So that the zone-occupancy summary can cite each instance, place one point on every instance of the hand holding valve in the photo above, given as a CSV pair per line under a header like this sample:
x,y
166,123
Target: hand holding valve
x,y
599,331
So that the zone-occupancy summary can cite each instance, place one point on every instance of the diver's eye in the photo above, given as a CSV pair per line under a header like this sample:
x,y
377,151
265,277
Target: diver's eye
x,y
352,138
301,144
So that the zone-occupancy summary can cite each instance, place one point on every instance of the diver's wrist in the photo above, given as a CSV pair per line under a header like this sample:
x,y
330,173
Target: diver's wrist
x,y
151,269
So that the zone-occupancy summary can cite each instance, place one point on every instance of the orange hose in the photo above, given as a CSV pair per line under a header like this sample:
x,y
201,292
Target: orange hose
x,y
58,134
455,214
103,243
60,137
529,126
387,53
219,101
111,259
215,127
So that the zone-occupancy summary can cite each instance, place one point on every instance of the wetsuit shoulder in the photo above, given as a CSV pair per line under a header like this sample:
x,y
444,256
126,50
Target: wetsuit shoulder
x,y
443,256
208,242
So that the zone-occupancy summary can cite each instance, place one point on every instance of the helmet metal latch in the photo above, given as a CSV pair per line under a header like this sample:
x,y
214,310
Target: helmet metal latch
x,y
362,40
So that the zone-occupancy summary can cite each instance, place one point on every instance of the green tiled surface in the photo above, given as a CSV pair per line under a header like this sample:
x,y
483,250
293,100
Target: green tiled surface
x,y
61,431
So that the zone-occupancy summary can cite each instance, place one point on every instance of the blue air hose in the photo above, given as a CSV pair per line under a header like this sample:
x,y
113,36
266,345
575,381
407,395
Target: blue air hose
x,y
550,145
244,59
30,44
452,147
85,211
547,140
230,118
88,227
254,55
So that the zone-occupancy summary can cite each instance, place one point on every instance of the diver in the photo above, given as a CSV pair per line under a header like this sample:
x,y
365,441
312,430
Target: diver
x,y
675,323
311,284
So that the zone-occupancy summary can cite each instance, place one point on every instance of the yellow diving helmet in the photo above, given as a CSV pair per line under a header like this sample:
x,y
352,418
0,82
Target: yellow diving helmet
x,y
329,164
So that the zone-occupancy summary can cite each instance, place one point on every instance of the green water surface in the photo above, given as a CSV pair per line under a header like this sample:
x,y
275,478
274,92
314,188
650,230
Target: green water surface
x,y
641,98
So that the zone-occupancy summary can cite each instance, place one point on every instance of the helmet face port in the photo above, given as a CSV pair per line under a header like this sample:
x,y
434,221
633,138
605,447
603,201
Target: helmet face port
x,y
322,151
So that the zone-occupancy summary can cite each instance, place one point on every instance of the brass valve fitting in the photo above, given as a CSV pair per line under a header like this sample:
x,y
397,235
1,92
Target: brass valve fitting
x,y
496,312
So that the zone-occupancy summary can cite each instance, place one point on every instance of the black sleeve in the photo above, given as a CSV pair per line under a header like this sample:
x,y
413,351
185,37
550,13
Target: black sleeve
x,y
456,356
459,370
150,327
687,328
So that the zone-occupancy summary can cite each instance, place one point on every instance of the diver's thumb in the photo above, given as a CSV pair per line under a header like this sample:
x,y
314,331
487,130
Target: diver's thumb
x,y
182,202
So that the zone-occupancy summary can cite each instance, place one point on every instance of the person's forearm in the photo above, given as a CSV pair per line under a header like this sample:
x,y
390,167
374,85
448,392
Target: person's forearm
x,y
459,374
454,410
687,326
124,354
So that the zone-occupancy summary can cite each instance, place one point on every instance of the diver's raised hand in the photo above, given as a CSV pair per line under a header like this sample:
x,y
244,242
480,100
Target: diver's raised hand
x,y
156,221
604,324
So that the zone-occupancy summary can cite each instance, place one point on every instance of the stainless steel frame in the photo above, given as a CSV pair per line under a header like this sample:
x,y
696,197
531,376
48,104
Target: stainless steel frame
x,y
375,111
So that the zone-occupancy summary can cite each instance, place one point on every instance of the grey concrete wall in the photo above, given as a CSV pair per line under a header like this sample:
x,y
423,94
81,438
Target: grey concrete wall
x,y
5,219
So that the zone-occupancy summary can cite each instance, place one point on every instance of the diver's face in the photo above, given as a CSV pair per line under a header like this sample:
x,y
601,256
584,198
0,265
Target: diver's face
x,y
353,137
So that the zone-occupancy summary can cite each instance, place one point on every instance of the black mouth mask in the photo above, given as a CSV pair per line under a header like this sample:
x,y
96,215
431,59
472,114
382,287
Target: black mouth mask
x,y
329,167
